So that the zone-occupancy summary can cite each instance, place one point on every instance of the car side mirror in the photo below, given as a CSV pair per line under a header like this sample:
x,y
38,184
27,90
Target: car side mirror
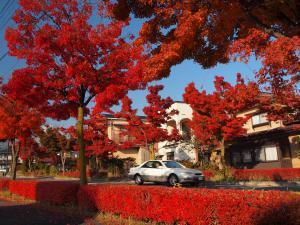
x,y
160,167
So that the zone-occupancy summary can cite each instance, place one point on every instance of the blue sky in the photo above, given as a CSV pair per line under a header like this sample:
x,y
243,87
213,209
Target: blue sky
x,y
181,75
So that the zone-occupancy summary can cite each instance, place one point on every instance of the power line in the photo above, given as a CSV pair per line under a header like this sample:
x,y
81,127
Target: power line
x,y
4,7
11,3
10,10
3,56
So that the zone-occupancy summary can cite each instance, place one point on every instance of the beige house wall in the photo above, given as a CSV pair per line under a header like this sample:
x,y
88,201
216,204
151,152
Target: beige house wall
x,y
122,154
140,155
249,127
291,145
295,147
113,132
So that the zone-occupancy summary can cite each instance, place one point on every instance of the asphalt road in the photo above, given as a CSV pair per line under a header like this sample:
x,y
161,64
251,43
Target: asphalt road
x,y
281,186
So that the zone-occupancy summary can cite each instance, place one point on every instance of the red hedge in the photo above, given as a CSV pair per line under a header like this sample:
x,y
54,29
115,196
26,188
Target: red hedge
x,y
55,192
278,174
193,206
162,204
208,174
4,183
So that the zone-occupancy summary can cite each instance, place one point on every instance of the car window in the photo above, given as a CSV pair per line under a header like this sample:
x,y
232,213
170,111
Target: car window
x,y
172,164
152,164
148,165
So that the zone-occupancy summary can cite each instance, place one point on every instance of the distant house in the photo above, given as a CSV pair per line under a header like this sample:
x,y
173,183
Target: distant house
x,y
115,129
267,144
5,156
182,150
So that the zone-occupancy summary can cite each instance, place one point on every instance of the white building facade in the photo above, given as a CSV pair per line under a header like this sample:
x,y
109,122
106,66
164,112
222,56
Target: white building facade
x,y
183,150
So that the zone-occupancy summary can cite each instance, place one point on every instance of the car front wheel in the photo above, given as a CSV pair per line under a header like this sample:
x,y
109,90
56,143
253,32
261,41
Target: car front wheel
x,y
138,179
173,180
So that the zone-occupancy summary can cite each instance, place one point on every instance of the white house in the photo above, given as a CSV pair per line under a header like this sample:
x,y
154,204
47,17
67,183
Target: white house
x,y
183,150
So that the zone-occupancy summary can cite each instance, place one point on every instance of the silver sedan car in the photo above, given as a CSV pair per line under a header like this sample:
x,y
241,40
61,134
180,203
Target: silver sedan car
x,y
168,171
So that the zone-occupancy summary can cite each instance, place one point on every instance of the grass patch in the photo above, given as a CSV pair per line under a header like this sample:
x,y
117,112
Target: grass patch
x,y
109,219
6,195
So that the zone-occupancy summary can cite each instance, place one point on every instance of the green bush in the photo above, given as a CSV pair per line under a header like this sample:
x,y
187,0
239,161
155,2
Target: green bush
x,y
115,166
187,164
22,168
53,170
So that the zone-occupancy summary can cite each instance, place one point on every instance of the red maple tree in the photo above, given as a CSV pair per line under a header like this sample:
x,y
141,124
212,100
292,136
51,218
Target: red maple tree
x,y
201,31
18,124
279,74
215,116
149,130
70,62
30,150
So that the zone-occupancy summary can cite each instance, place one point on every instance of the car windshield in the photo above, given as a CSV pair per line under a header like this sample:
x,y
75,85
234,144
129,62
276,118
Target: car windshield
x,y
172,164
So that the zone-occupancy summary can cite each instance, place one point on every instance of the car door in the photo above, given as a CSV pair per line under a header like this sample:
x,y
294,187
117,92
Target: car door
x,y
152,171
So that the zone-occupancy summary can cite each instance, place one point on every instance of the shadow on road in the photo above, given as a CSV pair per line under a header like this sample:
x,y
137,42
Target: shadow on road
x,y
34,214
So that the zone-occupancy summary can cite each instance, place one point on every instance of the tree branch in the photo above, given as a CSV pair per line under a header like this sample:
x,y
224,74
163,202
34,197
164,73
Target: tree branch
x,y
89,99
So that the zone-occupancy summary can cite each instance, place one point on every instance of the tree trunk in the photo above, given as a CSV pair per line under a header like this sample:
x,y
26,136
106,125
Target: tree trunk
x,y
97,163
196,154
29,164
81,147
29,160
152,152
63,168
14,156
63,160
222,146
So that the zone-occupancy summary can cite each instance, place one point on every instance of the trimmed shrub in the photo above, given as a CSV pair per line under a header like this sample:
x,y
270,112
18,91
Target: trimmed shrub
x,y
54,192
4,183
278,174
193,206
208,174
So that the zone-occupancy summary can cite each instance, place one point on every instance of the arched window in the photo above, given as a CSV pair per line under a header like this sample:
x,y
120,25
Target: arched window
x,y
185,129
171,125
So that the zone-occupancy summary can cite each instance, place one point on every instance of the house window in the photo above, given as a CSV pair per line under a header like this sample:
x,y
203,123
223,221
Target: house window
x,y
259,119
186,131
170,155
260,155
271,153
247,158
236,158
266,153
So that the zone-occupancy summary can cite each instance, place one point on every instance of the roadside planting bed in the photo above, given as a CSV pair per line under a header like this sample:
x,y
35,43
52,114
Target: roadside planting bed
x,y
169,205
278,174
